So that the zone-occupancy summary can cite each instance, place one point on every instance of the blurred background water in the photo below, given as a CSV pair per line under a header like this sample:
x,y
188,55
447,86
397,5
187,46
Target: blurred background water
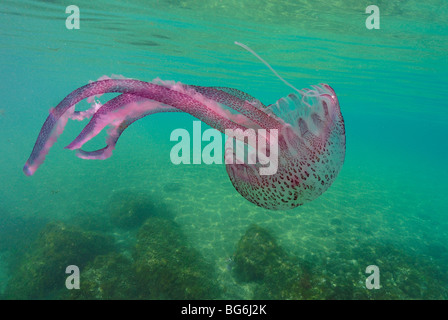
x,y
388,203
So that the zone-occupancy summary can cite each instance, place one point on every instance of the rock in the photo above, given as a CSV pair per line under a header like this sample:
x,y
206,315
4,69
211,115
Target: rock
x,y
42,269
168,268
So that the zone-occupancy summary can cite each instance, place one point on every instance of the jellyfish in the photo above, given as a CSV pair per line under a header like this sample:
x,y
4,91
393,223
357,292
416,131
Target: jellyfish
x,y
310,145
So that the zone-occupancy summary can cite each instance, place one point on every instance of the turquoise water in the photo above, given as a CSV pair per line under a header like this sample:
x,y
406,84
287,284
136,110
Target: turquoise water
x,y
387,207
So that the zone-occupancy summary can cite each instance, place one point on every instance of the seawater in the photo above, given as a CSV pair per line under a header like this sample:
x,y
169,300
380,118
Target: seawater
x,y
386,208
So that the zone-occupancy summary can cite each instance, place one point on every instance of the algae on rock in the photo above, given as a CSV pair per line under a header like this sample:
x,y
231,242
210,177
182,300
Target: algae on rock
x,y
42,269
108,277
168,268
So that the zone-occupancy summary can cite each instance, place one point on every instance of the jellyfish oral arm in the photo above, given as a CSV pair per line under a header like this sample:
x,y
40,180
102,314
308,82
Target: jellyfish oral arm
x,y
191,102
118,113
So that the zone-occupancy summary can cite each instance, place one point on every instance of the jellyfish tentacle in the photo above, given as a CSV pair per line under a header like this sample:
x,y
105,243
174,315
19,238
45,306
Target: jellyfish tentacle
x,y
198,106
101,119
115,133
243,103
115,112
119,113
240,94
